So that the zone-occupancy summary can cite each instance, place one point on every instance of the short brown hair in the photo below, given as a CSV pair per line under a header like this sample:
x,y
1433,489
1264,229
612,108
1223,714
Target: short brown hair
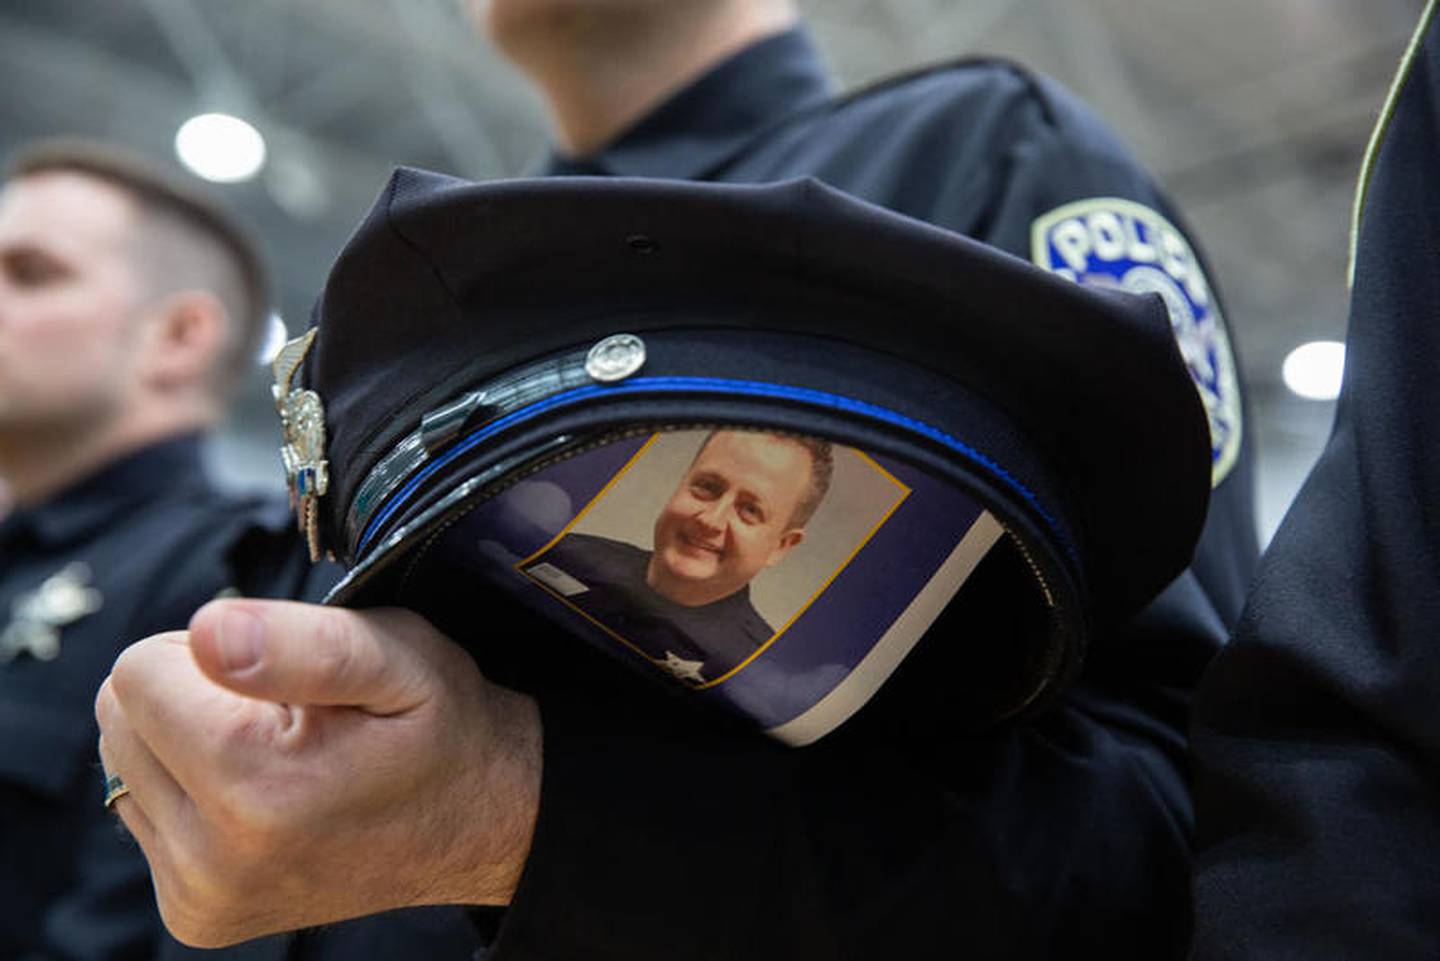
x,y
179,222
822,467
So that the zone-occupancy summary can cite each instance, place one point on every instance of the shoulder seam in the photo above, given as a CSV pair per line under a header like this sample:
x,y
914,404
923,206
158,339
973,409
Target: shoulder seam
x,y
1025,75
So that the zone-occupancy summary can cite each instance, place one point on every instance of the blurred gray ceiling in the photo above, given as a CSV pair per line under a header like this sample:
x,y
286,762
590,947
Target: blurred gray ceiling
x,y
1253,114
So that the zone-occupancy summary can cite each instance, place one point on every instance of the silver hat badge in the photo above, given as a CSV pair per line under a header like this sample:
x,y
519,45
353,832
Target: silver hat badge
x,y
302,421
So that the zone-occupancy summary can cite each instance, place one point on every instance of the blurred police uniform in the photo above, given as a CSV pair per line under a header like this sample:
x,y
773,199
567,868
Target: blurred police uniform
x,y
129,551
1068,833
130,308
1316,734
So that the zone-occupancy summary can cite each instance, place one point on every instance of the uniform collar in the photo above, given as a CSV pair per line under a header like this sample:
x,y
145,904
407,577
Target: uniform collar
x,y
713,119
91,504
738,601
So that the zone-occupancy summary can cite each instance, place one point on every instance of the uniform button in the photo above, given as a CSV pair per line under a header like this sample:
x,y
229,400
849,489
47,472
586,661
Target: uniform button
x,y
615,358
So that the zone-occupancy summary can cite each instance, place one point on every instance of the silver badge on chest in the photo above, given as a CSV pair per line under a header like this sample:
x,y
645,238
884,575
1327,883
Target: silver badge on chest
x,y
37,616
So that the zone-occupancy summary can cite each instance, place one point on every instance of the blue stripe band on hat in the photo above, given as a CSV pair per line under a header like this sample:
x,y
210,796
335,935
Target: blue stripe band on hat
x,y
741,388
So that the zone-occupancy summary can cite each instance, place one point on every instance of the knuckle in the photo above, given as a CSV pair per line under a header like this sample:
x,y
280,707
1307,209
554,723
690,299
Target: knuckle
x,y
134,663
106,707
125,671
233,737
245,743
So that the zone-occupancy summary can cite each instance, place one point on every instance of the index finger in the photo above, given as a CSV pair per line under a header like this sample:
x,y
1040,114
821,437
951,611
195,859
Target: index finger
x,y
189,723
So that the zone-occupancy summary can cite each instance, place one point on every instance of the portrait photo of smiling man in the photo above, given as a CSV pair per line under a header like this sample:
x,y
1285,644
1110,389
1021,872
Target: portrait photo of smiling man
x,y
740,507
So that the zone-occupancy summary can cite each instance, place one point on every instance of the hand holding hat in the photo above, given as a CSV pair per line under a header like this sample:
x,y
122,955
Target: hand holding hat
x,y
268,749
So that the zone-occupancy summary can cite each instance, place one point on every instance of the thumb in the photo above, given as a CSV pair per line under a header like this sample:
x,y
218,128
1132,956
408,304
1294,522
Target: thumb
x,y
294,653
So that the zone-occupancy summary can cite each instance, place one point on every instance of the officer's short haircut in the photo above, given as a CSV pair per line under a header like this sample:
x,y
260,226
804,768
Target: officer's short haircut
x,y
822,468
185,240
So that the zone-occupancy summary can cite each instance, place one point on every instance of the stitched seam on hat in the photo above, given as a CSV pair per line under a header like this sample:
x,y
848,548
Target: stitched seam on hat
x,y
375,431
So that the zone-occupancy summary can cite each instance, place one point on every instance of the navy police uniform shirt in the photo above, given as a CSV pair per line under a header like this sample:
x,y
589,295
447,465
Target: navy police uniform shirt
x,y
131,551
1318,731
659,837
606,580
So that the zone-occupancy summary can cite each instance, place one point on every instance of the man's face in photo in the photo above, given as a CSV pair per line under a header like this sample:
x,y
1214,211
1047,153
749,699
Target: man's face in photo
x,y
731,516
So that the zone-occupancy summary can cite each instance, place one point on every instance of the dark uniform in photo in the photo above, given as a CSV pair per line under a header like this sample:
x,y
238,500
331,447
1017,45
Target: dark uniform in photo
x,y
606,579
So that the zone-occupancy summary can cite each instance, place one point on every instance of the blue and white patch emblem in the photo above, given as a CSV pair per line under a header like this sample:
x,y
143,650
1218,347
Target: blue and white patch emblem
x,y
1107,241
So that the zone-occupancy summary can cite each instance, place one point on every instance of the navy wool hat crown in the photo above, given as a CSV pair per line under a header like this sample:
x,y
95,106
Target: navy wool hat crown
x,y
452,358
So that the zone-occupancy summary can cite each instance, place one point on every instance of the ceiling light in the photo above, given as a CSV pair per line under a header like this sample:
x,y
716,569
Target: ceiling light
x,y
1314,370
220,147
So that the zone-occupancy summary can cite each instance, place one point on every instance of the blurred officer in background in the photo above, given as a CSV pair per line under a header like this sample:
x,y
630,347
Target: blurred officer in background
x,y
1317,734
130,309
1070,829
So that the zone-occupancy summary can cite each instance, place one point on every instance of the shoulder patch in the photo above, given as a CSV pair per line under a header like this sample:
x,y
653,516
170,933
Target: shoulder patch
x,y
1112,242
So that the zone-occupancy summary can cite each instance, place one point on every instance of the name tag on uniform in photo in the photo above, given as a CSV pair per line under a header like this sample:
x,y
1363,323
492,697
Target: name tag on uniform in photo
x,y
557,580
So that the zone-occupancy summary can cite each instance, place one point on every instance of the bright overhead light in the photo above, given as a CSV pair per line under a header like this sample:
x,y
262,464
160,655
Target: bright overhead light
x,y
220,147
1314,370
276,336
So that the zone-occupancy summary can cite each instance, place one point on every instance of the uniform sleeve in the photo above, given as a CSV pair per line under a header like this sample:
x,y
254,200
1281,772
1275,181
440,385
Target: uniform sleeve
x,y
1318,733
1063,192
661,837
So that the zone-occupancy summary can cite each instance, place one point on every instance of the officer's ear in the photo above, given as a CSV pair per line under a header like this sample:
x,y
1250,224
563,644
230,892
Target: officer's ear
x,y
788,542
185,336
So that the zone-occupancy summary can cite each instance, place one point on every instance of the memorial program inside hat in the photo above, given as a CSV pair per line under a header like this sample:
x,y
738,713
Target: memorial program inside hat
x,y
766,443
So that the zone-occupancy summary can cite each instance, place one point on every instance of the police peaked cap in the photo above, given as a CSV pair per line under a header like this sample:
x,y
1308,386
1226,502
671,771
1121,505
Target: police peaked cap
x,y
1067,409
